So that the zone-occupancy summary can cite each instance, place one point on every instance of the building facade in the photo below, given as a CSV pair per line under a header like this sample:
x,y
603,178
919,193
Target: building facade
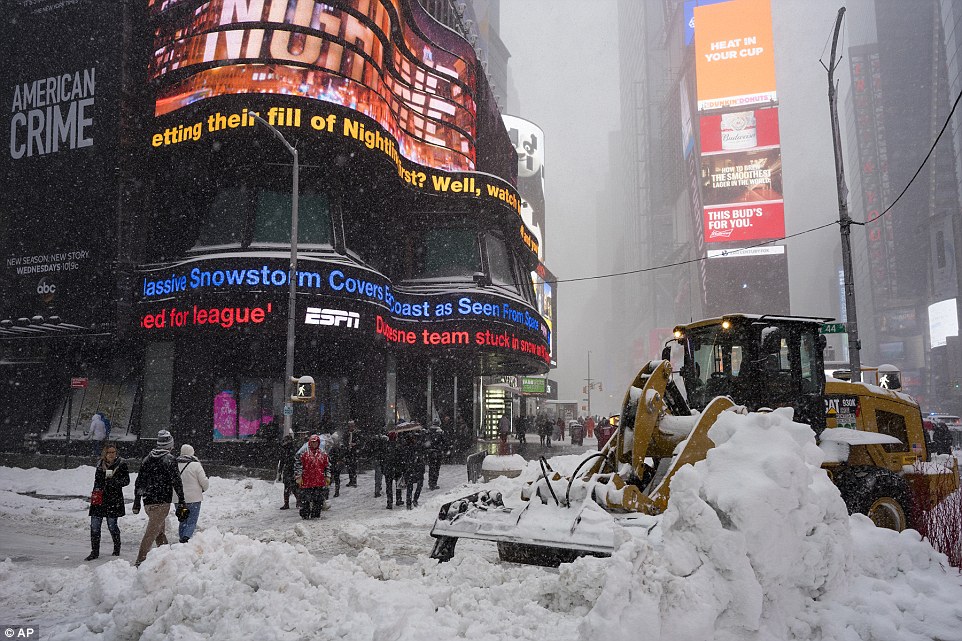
x,y
164,299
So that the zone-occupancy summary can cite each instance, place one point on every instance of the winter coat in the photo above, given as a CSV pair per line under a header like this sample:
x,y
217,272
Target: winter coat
x,y
504,424
411,452
350,443
435,443
286,463
377,447
193,477
391,456
113,503
314,468
98,429
159,476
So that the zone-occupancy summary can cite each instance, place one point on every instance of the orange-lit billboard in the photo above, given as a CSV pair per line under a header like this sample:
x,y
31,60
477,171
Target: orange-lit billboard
x,y
734,54
360,54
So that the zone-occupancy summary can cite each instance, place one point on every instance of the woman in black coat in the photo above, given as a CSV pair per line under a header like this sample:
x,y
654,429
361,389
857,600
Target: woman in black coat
x,y
110,478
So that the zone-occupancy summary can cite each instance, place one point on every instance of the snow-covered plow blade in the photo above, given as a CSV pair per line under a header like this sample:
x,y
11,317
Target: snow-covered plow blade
x,y
536,533
626,484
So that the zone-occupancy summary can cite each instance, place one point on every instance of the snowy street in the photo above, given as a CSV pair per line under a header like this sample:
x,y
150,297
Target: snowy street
x,y
744,551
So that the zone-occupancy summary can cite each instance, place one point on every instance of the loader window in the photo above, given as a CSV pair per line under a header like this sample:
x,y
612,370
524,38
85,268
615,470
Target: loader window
x,y
809,363
894,425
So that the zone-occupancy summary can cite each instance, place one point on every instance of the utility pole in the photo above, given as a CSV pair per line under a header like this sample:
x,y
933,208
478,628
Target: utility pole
x,y
590,383
844,221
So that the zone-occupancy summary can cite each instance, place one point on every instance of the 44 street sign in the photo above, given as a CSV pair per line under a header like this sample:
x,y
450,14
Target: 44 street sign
x,y
834,328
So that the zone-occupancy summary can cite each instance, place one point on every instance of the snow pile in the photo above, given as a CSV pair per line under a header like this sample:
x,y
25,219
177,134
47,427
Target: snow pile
x,y
755,545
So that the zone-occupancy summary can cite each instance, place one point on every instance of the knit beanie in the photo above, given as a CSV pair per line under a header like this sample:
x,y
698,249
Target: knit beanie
x,y
186,450
165,440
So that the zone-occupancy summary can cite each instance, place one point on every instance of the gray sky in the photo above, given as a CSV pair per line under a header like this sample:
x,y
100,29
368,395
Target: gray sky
x,y
564,67
564,70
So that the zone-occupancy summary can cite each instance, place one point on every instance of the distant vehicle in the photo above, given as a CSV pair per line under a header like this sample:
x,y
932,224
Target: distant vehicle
x,y
937,435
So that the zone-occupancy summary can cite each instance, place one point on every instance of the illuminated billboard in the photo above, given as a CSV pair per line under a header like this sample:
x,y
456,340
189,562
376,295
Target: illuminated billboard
x,y
377,83
741,173
60,82
528,141
690,17
545,284
734,54
359,54
943,322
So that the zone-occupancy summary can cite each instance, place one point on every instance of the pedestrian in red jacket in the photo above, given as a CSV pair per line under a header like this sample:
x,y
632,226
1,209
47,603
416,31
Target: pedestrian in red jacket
x,y
313,474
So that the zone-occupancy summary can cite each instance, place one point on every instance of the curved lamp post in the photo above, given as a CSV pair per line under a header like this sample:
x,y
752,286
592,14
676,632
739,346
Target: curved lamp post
x,y
292,285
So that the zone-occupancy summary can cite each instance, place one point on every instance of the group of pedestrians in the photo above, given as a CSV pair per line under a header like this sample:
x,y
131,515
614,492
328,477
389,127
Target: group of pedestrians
x,y
162,480
401,454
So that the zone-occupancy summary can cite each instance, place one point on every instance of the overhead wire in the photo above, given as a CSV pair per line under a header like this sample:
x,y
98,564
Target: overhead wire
x,y
918,171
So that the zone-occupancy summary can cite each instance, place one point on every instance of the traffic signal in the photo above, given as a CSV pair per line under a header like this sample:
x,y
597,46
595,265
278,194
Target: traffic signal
x,y
303,389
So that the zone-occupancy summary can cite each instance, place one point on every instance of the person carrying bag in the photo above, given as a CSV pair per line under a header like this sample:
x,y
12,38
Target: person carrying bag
x,y
195,482
107,498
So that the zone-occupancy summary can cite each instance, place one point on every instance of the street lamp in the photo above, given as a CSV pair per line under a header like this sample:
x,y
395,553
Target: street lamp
x,y
292,286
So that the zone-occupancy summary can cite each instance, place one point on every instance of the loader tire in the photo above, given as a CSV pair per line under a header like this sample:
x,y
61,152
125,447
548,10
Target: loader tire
x,y
881,495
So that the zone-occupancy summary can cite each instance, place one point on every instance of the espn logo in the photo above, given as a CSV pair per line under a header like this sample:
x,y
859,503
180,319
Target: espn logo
x,y
334,317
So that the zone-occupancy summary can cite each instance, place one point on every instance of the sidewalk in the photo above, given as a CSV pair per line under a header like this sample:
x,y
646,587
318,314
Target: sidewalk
x,y
532,450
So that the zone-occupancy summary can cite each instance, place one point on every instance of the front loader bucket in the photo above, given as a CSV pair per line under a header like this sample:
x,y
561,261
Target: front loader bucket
x,y
535,533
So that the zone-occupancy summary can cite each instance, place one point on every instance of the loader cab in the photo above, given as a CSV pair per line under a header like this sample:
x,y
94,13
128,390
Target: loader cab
x,y
758,361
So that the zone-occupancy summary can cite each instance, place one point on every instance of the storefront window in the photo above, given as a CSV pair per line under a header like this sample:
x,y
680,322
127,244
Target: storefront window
x,y
242,407
272,219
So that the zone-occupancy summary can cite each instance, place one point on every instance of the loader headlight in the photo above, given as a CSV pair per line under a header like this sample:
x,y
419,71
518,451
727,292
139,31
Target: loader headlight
x,y
678,333
726,324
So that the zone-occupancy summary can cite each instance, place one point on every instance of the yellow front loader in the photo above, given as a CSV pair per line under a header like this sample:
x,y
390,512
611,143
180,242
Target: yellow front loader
x,y
872,438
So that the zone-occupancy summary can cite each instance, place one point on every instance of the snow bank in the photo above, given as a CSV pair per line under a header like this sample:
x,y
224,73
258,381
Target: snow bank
x,y
755,545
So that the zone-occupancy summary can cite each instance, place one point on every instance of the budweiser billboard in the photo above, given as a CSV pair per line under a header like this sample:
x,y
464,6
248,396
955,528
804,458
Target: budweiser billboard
x,y
742,190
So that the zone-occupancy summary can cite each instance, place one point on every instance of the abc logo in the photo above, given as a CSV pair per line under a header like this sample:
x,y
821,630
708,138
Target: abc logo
x,y
46,290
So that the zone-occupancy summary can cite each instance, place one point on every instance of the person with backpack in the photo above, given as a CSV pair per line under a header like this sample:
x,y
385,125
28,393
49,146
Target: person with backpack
x,y
158,479
195,482
107,498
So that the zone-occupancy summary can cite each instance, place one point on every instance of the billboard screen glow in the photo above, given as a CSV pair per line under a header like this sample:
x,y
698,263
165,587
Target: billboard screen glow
x,y
364,56
734,54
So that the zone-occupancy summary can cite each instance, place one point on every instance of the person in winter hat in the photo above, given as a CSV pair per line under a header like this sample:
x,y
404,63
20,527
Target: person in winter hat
x,y
110,477
312,472
195,482
159,476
